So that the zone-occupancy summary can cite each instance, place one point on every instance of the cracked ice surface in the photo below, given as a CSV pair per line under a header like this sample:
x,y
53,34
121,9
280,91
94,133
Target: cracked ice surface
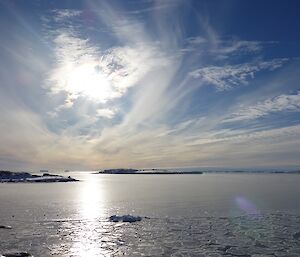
x,y
271,234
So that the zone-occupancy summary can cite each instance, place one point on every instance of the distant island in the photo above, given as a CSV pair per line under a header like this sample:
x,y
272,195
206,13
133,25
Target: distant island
x,y
253,171
25,177
146,172
171,172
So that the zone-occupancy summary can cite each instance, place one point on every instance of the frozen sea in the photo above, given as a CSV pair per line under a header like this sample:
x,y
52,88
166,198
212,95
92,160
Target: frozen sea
x,y
212,214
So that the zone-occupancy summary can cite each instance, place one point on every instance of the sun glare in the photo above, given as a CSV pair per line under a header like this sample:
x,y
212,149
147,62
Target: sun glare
x,y
88,80
91,210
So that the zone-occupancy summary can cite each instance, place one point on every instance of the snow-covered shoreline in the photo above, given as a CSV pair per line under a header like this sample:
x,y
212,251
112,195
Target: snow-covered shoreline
x,y
25,177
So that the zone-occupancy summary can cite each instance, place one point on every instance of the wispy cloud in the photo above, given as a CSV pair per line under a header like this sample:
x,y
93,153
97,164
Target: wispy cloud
x,y
228,76
149,66
157,5
85,70
29,142
221,48
63,14
281,103
126,84
229,47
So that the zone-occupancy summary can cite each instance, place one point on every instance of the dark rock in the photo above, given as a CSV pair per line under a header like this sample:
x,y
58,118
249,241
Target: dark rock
x,y
120,171
18,254
24,177
259,244
224,248
5,227
297,235
5,174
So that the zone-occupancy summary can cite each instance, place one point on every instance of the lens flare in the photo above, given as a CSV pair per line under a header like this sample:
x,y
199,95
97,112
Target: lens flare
x,y
245,205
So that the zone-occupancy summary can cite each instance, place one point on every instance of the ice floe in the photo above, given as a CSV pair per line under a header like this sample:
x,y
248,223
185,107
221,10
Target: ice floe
x,y
125,218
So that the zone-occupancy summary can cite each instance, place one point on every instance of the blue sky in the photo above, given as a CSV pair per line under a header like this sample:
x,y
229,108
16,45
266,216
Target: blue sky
x,y
96,84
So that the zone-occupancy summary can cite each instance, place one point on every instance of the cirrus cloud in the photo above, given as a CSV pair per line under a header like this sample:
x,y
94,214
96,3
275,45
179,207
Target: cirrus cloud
x,y
281,103
229,76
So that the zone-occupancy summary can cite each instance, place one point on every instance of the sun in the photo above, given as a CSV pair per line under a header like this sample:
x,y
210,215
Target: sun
x,y
88,80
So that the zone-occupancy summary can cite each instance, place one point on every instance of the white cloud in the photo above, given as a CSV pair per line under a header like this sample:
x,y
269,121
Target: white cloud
x,y
140,80
88,76
229,47
274,148
84,70
28,143
106,113
63,14
281,103
197,40
228,76
125,66
220,48
77,71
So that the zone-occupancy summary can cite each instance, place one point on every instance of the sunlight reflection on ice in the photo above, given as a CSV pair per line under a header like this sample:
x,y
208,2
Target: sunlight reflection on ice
x,y
86,237
91,197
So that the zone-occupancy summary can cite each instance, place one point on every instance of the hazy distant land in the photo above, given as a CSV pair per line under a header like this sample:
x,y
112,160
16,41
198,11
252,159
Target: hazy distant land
x,y
155,171
146,171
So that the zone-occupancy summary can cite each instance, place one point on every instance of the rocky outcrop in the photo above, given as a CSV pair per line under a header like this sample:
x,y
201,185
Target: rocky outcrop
x,y
5,227
17,254
297,235
120,171
25,177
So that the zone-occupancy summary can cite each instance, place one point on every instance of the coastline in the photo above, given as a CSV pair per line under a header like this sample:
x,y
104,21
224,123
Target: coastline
x,y
25,177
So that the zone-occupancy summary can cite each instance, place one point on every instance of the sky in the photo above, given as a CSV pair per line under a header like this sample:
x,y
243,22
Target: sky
x,y
87,85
